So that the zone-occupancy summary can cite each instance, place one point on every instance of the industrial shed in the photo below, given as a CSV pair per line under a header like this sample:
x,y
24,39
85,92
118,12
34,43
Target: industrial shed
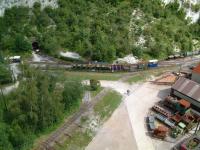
x,y
188,90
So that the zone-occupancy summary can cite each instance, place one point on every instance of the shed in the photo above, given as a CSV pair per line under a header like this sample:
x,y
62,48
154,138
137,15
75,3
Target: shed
x,y
182,125
188,90
184,103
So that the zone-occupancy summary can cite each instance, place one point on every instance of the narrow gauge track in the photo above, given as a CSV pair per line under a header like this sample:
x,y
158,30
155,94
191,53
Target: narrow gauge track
x,y
66,65
69,126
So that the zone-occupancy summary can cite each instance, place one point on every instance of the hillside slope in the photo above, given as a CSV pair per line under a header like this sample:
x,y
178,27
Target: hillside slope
x,y
103,30
5,4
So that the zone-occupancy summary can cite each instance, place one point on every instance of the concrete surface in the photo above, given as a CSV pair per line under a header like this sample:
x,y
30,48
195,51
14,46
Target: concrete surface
x,y
116,133
138,105
142,97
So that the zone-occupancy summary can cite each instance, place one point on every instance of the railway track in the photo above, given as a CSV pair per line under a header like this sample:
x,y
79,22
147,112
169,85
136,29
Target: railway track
x,y
66,65
70,125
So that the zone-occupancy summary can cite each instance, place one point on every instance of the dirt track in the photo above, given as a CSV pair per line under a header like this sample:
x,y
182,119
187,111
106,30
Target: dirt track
x,y
116,133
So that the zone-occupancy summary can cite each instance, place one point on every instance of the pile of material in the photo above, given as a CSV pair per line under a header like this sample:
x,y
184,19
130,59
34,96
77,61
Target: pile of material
x,y
169,79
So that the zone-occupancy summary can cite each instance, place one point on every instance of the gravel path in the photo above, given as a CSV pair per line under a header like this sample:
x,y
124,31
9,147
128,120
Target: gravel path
x,y
116,133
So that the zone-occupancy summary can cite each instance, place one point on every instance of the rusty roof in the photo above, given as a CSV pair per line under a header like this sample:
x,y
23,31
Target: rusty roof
x,y
197,69
184,103
188,88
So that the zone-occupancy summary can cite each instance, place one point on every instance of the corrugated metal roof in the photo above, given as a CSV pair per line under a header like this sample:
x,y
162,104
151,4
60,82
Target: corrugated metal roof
x,y
188,88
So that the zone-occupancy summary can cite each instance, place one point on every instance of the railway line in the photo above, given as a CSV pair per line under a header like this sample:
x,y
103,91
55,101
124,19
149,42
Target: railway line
x,y
58,64
70,125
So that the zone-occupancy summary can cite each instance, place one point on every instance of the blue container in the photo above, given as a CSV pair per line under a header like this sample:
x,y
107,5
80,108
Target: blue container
x,y
153,63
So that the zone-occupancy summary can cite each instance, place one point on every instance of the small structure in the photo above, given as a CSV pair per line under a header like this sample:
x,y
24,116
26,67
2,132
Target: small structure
x,y
177,118
196,74
188,118
162,111
192,143
165,120
160,132
153,63
15,59
151,122
182,125
185,104
188,90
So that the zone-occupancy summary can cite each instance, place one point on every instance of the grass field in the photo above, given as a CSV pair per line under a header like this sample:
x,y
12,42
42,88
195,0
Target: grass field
x,y
108,104
93,75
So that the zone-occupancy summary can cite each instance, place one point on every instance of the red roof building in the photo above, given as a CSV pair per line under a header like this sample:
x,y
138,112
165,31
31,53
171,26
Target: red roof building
x,y
196,74
196,69
184,103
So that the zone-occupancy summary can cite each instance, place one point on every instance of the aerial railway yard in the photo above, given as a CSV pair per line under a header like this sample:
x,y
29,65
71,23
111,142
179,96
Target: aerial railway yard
x,y
73,123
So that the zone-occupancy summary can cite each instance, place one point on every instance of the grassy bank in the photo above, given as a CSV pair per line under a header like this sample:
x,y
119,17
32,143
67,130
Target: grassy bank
x,y
108,104
88,75
83,136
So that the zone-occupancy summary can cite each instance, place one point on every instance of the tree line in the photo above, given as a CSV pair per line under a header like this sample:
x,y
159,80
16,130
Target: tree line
x,y
39,103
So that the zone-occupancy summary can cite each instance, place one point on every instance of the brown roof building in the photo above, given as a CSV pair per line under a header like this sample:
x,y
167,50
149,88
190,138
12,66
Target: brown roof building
x,y
188,90
196,74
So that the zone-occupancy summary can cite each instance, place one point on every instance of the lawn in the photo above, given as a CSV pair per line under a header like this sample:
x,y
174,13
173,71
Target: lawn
x,y
93,75
136,78
108,104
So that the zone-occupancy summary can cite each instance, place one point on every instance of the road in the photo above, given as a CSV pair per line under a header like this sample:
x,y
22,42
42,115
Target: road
x,y
15,73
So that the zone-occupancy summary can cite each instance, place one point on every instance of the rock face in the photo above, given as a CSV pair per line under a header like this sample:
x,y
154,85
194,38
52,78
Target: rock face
x,y
29,3
189,13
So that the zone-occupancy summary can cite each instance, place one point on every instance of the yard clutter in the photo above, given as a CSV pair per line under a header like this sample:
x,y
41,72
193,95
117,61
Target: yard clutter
x,y
160,132
171,117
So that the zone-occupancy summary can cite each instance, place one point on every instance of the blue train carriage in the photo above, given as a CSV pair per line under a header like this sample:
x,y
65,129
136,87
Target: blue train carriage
x,y
153,63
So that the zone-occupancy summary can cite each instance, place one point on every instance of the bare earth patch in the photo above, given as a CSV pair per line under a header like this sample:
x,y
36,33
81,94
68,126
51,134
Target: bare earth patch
x,y
116,133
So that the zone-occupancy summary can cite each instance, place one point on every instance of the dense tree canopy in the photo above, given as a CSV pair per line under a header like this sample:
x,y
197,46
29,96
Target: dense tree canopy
x,y
99,29
39,102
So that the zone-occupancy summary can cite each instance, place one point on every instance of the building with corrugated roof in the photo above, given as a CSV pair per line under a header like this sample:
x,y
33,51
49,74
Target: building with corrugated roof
x,y
188,90
196,74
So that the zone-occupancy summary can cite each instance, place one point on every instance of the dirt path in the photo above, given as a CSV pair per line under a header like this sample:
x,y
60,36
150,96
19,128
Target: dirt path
x,y
116,133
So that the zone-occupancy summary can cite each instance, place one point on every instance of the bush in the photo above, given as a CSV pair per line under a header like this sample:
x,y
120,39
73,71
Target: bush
x,y
94,84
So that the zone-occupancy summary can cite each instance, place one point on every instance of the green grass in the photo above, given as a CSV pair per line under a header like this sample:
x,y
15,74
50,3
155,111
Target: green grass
x,y
78,141
136,78
94,93
93,75
108,104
